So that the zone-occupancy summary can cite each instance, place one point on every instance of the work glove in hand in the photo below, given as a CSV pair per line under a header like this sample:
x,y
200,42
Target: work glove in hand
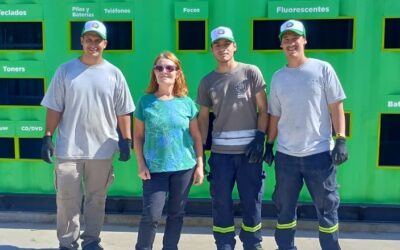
x,y
255,150
125,146
47,150
269,154
339,152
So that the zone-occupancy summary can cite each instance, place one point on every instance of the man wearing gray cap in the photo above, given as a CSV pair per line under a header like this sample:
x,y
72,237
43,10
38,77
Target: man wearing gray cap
x,y
306,99
87,100
235,92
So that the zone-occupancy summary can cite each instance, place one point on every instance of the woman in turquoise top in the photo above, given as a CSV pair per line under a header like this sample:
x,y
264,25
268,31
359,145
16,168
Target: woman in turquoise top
x,y
168,150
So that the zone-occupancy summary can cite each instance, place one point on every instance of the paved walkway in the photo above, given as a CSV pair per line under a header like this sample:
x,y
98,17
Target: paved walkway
x,y
24,236
34,231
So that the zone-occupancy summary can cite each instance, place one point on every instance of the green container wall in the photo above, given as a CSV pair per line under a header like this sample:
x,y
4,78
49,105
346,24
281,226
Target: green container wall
x,y
367,72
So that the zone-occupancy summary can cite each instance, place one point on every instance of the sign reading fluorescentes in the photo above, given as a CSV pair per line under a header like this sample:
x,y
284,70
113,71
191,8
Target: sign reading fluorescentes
x,y
303,9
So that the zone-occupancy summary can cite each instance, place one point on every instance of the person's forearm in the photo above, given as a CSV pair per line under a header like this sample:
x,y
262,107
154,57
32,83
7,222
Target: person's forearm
x,y
52,119
124,124
262,121
272,128
203,120
338,118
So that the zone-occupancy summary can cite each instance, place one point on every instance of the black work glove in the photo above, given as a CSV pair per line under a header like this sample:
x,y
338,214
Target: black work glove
x,y
47,150
339,152
125,146
255,150
269,154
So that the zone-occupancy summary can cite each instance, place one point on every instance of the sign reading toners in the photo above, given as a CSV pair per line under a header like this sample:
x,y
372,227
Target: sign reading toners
x,y
303,9
10,69
191,10
20,12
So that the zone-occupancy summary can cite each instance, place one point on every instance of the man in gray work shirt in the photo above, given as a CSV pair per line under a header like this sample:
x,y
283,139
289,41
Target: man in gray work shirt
x,y
306,100
87,100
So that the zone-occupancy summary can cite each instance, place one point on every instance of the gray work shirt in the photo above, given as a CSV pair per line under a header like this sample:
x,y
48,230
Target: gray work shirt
x,y
90,98
232,97
301,97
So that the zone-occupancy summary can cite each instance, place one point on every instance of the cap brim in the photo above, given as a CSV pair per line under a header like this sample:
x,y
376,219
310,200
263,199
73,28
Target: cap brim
x,y
298,32
94,31
225,38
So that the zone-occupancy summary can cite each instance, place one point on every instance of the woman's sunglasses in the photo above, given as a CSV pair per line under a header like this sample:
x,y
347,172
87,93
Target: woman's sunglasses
x,y
168,68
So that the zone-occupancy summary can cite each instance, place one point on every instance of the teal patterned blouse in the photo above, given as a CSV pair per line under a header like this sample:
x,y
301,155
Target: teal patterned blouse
x,y
168,144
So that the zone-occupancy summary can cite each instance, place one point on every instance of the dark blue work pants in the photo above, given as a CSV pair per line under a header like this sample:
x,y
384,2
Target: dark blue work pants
x,y
319,175
225,171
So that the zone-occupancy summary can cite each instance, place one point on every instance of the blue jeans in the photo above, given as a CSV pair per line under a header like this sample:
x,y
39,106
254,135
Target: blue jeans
x,y
225,171
171,188
319,175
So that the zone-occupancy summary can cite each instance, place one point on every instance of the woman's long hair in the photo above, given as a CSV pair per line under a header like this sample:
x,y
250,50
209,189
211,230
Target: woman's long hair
x,y
180,86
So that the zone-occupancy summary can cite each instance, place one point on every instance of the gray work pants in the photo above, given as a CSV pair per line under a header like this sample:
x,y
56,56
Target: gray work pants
x,y
73,179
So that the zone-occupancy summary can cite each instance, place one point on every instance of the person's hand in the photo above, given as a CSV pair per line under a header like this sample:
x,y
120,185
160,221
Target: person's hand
x,y
269,154
255,149
47,150
125,146
198,175
339,152
144,173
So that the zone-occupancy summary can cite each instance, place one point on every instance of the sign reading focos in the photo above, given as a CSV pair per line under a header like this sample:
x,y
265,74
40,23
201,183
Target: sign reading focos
x,y
191,10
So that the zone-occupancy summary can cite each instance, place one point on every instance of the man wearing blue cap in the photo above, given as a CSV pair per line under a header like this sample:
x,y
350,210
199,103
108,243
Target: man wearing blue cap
x,y
235,92
306,99
87,100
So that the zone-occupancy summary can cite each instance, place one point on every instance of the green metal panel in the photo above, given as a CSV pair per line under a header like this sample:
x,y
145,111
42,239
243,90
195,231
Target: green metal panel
x,y
369,74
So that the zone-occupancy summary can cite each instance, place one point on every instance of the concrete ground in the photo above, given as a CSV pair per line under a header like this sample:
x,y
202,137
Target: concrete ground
x,y
25,232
